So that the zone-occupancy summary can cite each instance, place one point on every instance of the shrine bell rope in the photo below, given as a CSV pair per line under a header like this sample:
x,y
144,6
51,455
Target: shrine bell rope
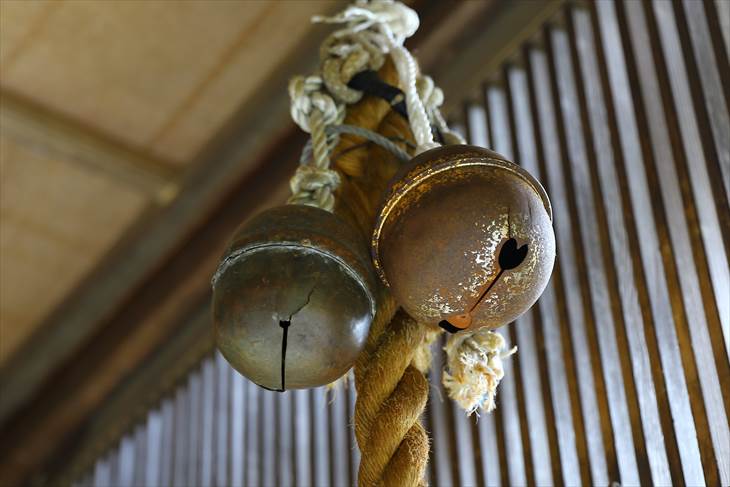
x,y
357,143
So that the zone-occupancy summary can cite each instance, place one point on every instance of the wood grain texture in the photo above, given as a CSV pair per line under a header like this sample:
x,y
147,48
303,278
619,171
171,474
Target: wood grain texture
x,y
161,76
58,220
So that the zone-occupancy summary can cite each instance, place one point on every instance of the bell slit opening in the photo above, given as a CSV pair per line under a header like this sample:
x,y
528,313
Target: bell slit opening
x,y
284,324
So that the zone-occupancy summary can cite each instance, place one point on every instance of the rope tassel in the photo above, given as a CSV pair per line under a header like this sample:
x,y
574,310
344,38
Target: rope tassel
x,y
474,368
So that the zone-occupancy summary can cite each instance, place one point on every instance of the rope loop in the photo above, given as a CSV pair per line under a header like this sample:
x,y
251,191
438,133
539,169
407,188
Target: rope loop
x,y
307,95
430,94
344,56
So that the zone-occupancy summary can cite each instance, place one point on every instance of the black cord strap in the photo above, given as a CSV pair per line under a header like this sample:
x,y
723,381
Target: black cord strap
x,y
370,83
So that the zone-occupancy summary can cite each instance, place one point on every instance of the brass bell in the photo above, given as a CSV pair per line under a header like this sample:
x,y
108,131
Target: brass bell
x,y
293,298
464,238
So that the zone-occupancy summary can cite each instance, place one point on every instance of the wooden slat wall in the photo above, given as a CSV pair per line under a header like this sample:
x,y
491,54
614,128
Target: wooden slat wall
x,y
622,374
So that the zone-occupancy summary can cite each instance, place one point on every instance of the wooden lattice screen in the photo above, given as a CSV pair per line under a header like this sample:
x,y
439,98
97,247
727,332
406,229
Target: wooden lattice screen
x,y
622,374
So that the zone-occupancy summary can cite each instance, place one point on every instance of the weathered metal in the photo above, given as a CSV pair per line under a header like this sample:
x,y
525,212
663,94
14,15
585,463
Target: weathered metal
x,y
464,238
293,298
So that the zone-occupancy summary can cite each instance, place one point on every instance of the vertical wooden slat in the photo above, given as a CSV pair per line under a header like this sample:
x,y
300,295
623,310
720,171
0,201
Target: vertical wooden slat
x,y
193,424
167,445
153,448
320,437
339,441
140,455
221,454
253,447
285,451
443,452
354,450
207,424
631,156
714,93
302,434
102,473
114,465
572,444
182,436
126,461
605,173
267,426
238,429
723,9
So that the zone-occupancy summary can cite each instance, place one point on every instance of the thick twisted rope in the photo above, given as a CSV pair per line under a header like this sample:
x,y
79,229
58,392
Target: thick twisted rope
x,y
392,394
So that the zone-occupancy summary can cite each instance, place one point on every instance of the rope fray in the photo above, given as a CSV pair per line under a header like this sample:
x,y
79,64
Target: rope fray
x,y
474,368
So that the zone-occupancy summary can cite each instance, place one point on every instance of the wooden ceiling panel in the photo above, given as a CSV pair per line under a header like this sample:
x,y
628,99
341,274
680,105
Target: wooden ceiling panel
x,y
161,76
243,68
58,218
16,20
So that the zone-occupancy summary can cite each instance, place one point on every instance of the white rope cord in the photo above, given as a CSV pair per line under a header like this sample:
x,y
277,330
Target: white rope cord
x,y
407,72
433,98
355,130
313,110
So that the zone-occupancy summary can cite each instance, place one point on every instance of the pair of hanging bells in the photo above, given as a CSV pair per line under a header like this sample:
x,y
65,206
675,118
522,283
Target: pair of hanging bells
x,y
463,239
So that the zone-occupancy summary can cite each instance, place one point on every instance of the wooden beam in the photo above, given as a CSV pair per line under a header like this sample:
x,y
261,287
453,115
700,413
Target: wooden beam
x,y
48,132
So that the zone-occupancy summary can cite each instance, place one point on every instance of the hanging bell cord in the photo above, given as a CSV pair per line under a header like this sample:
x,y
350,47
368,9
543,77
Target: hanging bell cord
x,y
387,24
314,110
335,130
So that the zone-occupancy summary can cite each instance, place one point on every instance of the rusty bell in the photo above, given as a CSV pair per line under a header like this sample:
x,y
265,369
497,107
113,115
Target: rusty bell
x,y
464,238
293,298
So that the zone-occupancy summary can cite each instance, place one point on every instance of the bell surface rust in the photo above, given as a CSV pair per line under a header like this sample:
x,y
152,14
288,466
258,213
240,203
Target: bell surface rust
x,y
293,298
464,238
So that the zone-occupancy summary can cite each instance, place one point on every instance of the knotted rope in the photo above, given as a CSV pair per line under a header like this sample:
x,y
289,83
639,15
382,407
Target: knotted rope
x,y
313,110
